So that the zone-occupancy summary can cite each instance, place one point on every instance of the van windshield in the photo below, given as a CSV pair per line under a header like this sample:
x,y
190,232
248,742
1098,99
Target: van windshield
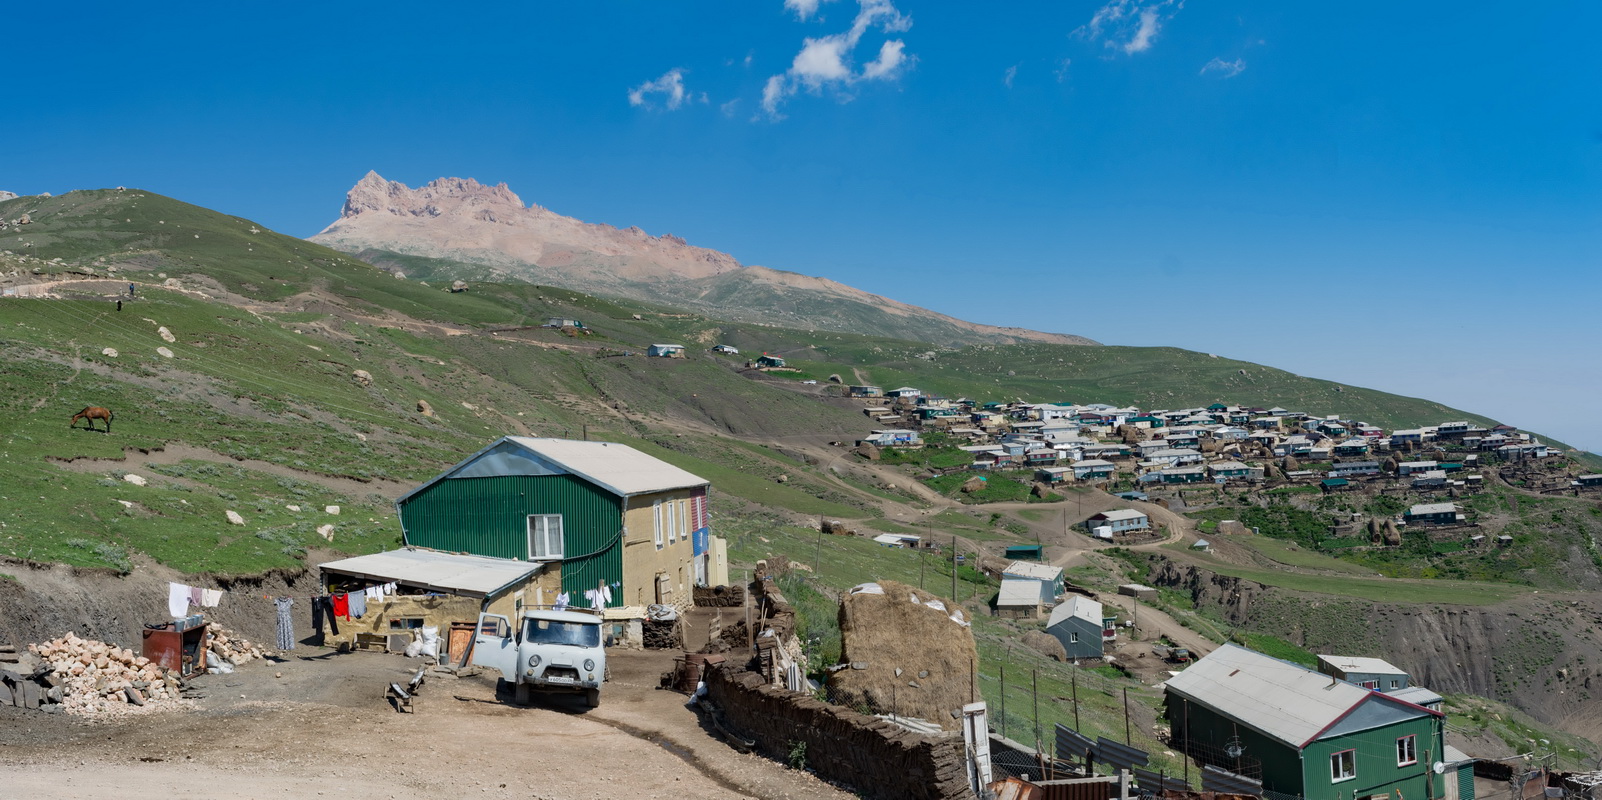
x,y
549,631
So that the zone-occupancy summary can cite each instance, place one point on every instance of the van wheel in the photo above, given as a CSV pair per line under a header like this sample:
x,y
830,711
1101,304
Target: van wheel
x,y
593,697
520,694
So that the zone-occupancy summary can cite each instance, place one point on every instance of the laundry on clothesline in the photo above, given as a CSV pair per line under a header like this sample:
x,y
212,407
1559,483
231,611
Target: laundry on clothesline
x,y
181,596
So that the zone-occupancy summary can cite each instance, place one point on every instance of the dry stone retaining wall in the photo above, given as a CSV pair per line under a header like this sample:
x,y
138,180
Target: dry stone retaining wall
x,y
875,757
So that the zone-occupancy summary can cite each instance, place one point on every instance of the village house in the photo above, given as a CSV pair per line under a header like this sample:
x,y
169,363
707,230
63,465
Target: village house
x,y
1413,435
865,391
1351,448
601,514
1177,475
905,393
665,351
1050,475
766,361
1018,599
1047,579
1122,520
1433,514
1587,481
1349,469
1305,733
893,437
1233,470
1093,469
1077,622
1409,467
725,349
562,322
1176,457
1519,452
1369,673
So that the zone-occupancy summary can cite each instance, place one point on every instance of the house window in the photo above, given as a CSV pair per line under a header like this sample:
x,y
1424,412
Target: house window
x,y
545,537
1343,766
684,519
1396,684
656,511
1073,638
672,526
1406,751
1374,685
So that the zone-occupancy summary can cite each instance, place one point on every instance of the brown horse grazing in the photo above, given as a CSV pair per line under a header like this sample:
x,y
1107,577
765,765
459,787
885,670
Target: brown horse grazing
x,y
91,414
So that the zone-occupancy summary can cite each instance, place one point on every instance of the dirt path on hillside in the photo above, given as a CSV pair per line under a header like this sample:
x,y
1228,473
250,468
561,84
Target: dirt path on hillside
x,y
322,728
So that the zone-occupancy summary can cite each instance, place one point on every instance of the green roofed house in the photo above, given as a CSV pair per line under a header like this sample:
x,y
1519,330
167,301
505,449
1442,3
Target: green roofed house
x,y
1301,732
604,513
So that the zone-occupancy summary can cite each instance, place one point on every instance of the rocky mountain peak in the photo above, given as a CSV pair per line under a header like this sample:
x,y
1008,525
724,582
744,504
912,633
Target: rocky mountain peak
x,y
375,194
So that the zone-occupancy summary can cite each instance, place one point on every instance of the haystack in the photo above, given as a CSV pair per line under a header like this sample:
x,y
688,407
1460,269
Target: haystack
x,y
911,653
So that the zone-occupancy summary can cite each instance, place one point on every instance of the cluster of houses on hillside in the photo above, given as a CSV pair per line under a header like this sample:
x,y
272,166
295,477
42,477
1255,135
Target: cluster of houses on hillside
x,y
1094,443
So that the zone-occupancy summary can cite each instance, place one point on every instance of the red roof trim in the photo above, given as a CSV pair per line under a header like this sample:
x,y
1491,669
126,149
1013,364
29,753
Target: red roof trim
x,y
1371,695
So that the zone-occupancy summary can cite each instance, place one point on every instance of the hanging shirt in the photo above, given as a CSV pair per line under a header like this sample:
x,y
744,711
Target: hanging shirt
x,y
210,597
357,602
177,600
562,600
341,605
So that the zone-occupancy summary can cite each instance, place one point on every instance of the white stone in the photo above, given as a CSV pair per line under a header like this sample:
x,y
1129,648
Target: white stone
x,y
164,352
292,507
125,504
234,518
332,509
326,531
166,335
137,480
110,352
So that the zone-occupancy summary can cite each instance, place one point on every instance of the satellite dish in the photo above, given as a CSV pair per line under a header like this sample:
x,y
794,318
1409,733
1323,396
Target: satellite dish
x,y
1440,767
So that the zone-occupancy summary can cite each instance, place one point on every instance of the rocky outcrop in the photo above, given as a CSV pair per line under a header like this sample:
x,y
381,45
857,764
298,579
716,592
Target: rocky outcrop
x,y
4,196
460,221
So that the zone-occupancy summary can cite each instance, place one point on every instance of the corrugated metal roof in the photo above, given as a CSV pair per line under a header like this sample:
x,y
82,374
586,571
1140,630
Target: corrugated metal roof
x,y
1285,701
1378,666
472,576
1121,513
1033,571
1417,695
1076,606
1432,508
617,467
1018,592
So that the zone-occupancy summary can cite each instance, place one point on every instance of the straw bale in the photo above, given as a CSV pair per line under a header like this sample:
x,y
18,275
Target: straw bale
x,y
934,653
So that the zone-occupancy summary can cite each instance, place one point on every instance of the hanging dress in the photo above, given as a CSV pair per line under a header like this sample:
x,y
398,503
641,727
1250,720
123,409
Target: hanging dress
x,y
286,625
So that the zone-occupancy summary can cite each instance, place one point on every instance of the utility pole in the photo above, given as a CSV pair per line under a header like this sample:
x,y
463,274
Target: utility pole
x,y
1074,676
1034,688
817,558
1127,739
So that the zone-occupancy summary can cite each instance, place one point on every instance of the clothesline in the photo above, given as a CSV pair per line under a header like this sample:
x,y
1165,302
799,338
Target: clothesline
x,y
181,596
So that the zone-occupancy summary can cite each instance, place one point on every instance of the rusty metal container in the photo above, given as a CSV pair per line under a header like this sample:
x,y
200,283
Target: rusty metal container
x,y
181,650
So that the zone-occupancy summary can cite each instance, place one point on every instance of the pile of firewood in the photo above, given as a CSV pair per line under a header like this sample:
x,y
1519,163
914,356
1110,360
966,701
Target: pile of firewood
x,y
96,679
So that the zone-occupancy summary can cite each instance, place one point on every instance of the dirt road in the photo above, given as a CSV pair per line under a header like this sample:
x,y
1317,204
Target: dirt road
x,y
322,729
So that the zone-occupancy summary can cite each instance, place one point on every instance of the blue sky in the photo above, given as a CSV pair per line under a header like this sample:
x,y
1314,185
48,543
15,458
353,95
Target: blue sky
x,y
1402,196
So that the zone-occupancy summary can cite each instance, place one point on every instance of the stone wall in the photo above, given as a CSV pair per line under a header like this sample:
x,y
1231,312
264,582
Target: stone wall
x,y
874,757
720,596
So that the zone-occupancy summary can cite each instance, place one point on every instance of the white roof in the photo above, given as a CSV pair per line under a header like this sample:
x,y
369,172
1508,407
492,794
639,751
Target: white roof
x,y
1432,508
472,576
1032,570
1093,462
1077,606
1122,513
1417,695
679,346
1018,592
1228,465
1360,664
1283,700
895,538
618,468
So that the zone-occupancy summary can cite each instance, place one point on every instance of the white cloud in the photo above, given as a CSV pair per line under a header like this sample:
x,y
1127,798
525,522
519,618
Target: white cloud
x,y
1012,72
1222,68
803,8
730,107
1062,69
826,62
1130,26
670,84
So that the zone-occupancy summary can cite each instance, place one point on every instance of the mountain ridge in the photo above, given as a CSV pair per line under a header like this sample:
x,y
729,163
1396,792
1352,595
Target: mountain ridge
x,y
469,230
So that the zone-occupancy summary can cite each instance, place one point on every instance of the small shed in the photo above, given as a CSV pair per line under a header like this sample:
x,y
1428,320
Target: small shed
x,y
1138,591
766,361
665,351
1026,552
1077,623
1046,578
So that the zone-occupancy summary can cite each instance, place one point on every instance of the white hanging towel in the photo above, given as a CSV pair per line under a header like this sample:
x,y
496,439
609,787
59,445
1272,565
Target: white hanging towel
x,y
177,600
210,597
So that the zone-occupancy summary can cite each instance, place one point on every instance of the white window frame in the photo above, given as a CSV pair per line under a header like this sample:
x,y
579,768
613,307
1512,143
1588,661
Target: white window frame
x,y
539,533
1336,775
684,520
656,511
1407,748
672,521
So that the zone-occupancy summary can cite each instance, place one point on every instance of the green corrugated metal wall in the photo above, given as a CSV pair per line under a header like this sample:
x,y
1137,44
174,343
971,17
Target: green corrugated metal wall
x,y
489,517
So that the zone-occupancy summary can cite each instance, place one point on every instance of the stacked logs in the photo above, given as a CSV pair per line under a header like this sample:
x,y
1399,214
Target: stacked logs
x,y
95,679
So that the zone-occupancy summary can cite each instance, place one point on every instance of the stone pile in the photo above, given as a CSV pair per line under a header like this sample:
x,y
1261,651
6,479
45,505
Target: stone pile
x,y
230,646
95,679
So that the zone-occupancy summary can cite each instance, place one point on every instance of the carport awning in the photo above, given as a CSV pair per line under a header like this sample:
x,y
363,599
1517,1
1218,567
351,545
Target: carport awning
x,y
469,576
